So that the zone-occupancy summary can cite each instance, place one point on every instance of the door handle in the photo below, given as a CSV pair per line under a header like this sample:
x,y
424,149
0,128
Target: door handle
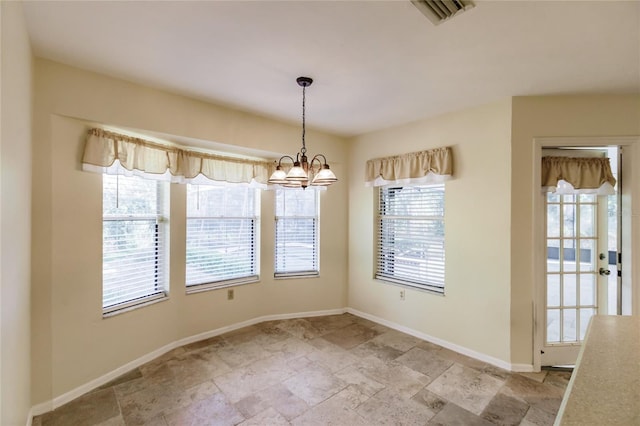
x,y
603,271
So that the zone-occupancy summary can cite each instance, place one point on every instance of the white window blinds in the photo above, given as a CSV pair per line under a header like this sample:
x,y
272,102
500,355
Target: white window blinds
x,y
297,233
411,236
134,241
222,235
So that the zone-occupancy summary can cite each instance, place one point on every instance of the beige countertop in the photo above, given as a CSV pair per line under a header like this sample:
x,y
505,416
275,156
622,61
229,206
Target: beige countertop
x,y
605,386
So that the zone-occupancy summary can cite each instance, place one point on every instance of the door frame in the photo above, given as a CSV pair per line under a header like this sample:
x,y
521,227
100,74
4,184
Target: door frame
x,y
631,147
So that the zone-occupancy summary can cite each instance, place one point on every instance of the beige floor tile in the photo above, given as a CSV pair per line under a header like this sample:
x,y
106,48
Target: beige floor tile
x,y
466,387
241,354
538,417
332,412
544,395
262,374
268,417
327,324
403,379
215,411
277,397
434,402
452,415
353,396
90,409
299,328
363,383
329,355
425,362
397,340
314,385
505,410
351,336
290,347
376,349
387,407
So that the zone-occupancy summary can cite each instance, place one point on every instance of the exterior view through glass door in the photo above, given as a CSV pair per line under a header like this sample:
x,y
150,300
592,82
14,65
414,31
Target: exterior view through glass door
x,y
581,278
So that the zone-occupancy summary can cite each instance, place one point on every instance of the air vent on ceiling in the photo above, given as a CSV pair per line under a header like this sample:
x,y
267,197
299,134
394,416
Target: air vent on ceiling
x,y
439,11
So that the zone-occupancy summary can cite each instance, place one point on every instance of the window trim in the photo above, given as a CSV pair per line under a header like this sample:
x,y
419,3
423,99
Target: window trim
x,y
378,276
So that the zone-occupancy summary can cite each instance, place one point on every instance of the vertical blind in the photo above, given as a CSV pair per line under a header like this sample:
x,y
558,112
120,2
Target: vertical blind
x,y
297,237
411,236
133,243
222,233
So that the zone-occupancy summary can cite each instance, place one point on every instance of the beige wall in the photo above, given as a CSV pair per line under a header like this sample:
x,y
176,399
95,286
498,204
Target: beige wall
x,y
72,343
15,212
474,312
551,116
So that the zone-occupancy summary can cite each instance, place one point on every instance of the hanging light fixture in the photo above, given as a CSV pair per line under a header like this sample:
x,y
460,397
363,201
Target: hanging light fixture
x,y
303,171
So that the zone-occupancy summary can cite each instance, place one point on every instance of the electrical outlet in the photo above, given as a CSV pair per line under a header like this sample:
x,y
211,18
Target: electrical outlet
x,y
401,294
230,294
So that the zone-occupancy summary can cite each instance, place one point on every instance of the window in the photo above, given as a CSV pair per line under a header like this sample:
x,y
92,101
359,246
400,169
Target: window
x,y
297,214
133,241
222,236
411,236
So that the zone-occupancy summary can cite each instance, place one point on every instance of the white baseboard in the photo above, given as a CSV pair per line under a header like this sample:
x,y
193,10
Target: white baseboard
x,y
58,401
445,344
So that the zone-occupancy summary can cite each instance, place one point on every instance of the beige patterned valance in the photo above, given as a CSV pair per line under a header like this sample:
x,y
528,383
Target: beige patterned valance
x,y
577,175
108,152
424,167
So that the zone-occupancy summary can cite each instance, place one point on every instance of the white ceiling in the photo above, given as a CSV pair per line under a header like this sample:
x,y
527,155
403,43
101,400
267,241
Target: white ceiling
x,y
375,63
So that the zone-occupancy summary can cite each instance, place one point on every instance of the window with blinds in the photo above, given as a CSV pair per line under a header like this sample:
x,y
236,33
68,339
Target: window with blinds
x,y
411,236
222,236
133,241
297,233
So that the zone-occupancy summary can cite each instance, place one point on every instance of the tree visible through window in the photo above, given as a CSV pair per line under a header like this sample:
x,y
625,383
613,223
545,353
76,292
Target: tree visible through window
x,y
133,242
411,236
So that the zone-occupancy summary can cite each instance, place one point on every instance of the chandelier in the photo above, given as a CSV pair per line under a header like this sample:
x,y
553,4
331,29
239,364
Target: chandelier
x,y
303,171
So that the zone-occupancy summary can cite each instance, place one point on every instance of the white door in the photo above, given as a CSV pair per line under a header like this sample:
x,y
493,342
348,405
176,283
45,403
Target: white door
x,y
577,272
581,278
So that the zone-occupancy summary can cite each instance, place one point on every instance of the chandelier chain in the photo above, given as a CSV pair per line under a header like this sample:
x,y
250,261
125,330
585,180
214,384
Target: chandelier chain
x,y
304,147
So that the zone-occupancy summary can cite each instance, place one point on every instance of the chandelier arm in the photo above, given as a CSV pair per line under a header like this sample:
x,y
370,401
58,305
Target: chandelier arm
x,y
315,158
283,157
320,155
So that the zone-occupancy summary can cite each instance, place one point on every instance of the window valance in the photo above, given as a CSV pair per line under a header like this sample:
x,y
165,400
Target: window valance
x,y
571,175
108,152
424,167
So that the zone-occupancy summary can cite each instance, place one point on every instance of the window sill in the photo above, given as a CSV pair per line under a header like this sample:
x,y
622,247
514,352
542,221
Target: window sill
x,y
199,288
129,308
295,276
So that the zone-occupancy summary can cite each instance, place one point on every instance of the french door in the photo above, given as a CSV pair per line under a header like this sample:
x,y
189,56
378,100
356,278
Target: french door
x,y
581,270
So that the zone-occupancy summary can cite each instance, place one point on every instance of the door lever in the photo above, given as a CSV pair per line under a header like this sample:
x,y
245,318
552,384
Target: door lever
x,y
604,272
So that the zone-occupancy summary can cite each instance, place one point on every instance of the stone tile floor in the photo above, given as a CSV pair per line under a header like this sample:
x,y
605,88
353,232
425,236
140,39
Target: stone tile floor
x,y
330,370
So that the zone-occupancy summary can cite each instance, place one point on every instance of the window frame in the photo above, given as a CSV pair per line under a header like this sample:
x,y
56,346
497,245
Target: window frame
x,y
431,279
254,219
161,238
307,273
